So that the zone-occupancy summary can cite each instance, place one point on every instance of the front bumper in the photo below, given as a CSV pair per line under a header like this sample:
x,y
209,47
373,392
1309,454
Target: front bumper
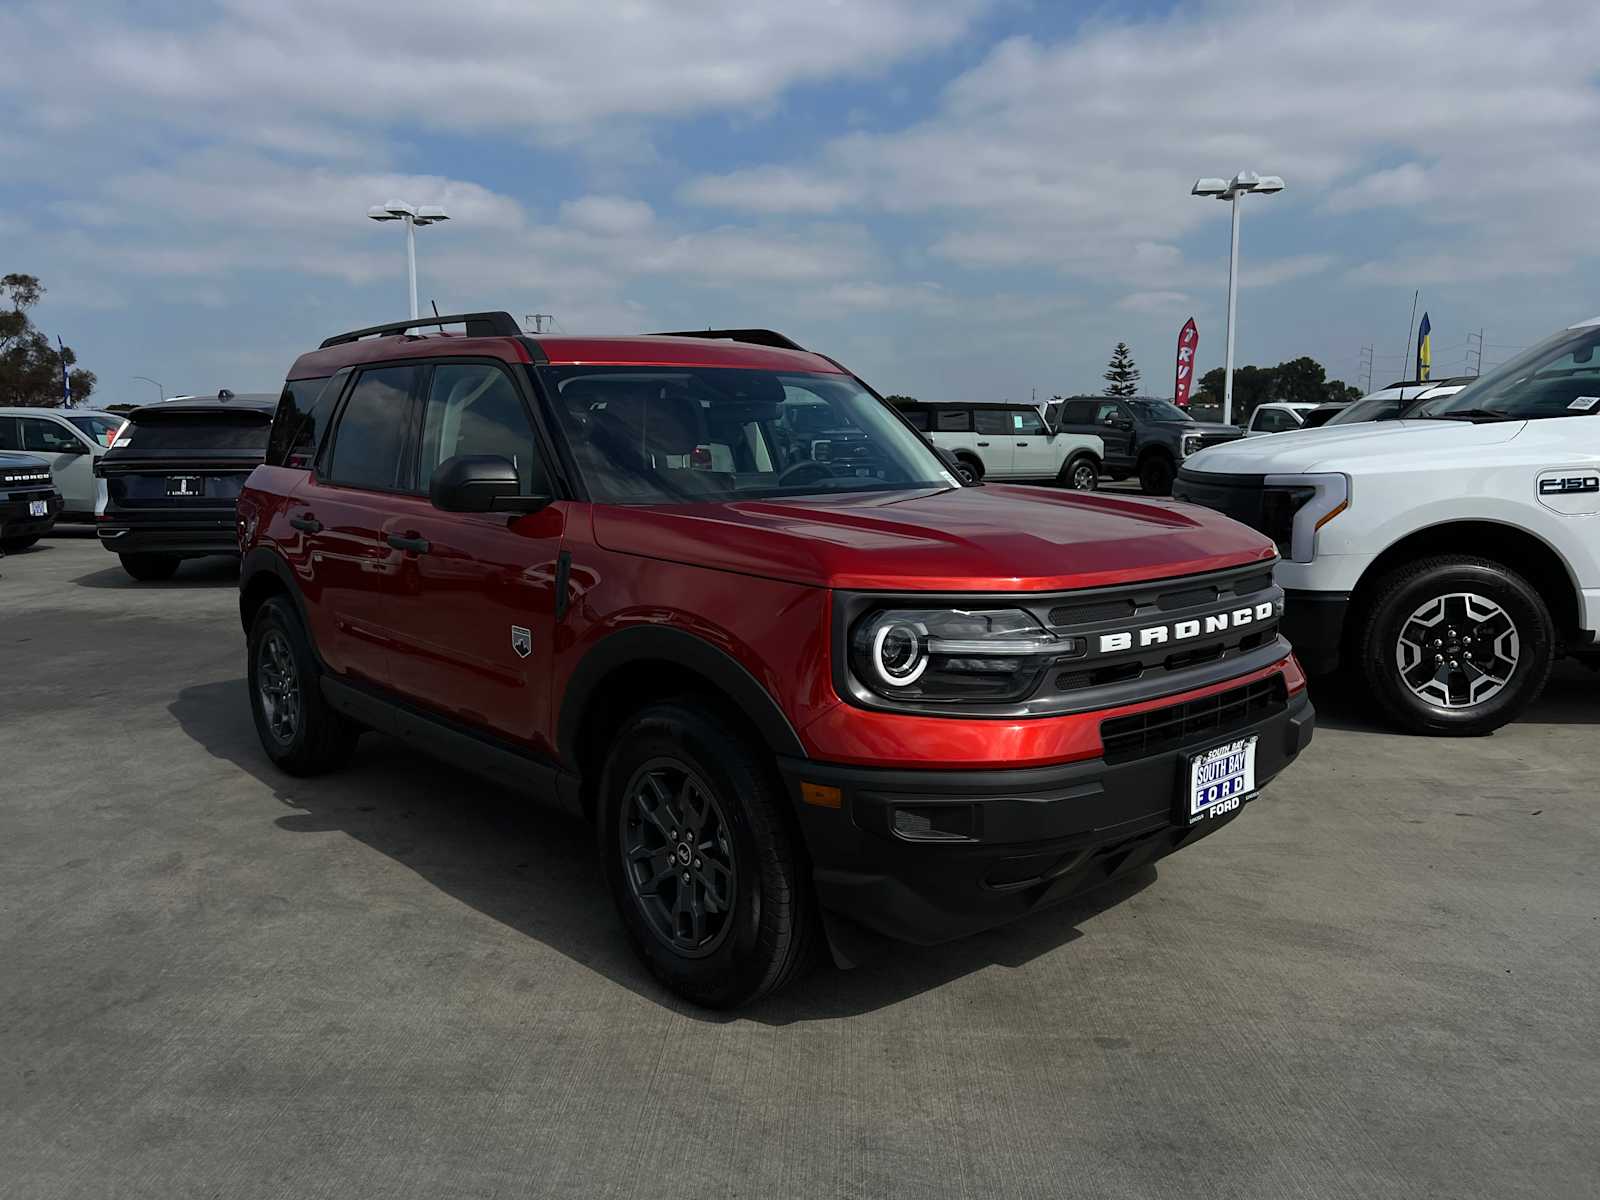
x,y
187,535
15,520
1030,837
1313,623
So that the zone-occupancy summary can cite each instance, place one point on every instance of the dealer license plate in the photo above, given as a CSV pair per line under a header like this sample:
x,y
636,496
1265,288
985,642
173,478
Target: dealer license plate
x,y
38,508
184,485
1220,779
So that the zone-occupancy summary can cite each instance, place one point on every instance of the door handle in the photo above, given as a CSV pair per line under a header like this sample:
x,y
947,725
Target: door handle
x,y
1022,443
983,443
414,543
306,524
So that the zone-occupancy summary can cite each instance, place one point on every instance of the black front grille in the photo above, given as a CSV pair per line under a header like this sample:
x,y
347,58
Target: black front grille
x,y
1160,729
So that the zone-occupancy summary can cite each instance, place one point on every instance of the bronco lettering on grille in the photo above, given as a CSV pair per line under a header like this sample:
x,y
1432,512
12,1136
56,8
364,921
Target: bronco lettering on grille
x,y
1182,631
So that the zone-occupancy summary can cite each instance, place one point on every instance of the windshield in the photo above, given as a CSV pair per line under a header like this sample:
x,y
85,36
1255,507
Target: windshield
x,y
1372,408
97,427
1560,377
1159,410
651,435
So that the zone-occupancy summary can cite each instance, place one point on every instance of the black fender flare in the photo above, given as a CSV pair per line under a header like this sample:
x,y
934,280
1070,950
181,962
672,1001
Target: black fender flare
x,y
676,646
263,560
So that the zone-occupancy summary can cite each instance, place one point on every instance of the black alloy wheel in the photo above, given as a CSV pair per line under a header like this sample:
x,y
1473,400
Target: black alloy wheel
x,y
298,729
278,687
678,857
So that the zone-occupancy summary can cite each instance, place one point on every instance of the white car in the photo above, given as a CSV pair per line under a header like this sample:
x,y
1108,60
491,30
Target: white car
x,y
1010,442
70,440
1277,416
1449,557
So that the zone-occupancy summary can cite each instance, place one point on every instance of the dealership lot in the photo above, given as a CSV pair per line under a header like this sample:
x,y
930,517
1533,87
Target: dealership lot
x,y
218,980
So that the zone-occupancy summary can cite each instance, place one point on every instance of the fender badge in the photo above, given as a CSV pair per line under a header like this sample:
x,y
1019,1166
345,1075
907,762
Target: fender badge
x,y
521,641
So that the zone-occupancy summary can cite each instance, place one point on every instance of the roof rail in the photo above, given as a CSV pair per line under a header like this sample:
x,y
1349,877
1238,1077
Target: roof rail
x,y
756,337
479,324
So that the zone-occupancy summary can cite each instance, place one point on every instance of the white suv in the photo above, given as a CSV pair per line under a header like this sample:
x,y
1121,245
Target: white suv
x,y
1449,557
1009,442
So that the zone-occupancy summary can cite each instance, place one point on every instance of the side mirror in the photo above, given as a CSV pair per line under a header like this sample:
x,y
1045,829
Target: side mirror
x,y
480,483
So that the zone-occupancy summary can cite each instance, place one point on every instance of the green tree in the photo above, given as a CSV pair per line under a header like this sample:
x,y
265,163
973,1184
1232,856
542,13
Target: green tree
x,y
1337,391
1122,377
1303,380
30,367
898,399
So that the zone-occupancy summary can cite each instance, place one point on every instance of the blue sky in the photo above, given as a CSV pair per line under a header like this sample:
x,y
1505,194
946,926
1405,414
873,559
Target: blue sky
x,y
959,198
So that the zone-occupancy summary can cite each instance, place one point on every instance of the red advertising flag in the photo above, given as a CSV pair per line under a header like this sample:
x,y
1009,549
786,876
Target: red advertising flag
x,y
1188,343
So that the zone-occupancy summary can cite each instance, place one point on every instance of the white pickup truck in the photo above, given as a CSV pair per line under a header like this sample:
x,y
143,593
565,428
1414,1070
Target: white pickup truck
x,y
1449,558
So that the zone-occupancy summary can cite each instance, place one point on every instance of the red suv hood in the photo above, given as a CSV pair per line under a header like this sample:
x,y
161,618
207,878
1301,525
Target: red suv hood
x,y
977,539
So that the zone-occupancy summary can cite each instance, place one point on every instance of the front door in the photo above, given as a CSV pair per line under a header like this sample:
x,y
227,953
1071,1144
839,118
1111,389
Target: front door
x,y
1114,425
472,611
70,458
1035,454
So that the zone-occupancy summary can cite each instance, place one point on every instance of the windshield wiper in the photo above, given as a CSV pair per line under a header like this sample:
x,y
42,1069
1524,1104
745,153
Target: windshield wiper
x,y
1467,414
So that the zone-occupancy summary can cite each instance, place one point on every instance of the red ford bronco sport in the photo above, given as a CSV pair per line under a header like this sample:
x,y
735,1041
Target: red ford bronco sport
x,y
711,593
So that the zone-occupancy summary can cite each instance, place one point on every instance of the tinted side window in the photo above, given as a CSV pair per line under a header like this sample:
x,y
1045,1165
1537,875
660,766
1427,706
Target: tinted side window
x,y
372,428
47,437
920,418
300,422
991,422
474,409
1108,411
1026,422
8,434
1077,412
952,420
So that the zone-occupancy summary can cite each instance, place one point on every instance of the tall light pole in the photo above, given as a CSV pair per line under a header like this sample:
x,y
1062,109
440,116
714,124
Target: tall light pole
x,y
1230,190
157,382
413,215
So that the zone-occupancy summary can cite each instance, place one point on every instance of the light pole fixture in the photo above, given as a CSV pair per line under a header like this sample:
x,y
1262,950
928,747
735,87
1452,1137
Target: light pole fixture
x,y
1230,190
413,215
157,382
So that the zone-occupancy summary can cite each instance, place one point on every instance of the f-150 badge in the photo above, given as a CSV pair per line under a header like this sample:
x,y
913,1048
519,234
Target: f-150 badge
x,y
1566,485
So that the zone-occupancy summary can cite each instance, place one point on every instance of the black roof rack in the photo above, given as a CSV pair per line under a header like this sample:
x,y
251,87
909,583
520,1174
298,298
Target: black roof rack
x,y
756,337
479,324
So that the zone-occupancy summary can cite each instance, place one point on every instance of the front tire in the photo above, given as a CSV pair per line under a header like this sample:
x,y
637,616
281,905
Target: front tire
x,y
704,864
149,568
1156,474
299,731
1081,473
1455,645
973,465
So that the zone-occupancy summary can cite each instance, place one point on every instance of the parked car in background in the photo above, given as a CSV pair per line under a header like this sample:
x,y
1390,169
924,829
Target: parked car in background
x,y
1010,442
1143,437
173,476
1388,403
1448,559
29,501
71,441
1278,416
796,699
1322,414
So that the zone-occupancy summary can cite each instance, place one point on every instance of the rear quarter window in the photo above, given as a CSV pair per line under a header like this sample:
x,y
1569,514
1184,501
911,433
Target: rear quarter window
x,y
300,422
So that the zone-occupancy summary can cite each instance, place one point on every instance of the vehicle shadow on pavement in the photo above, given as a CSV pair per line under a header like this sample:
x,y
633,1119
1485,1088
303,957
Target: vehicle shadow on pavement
x,y
1568,699
217,570
534,869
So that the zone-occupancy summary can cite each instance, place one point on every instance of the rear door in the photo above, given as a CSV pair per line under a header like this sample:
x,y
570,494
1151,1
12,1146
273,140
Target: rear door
x,y
995,441
472,609
1035,454
347,568
70,458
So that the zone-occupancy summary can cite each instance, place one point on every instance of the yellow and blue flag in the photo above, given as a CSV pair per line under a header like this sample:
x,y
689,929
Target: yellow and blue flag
x,y
1424,348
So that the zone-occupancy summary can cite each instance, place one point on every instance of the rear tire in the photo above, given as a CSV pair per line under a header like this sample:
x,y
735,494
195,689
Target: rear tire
x,y
1156,474
1494,634
703,859
1081,473
149,568
13,544
298,729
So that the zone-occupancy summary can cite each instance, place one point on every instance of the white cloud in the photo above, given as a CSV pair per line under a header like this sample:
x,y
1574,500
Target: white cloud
x,y
1154,302
1398,187
553,69
770,190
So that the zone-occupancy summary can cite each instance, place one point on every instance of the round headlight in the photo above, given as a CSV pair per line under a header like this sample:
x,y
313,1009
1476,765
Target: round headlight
x,y
899,653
